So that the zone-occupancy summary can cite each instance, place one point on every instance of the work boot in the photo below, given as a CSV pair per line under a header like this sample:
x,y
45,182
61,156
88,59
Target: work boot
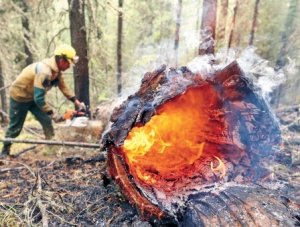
x,y
5,152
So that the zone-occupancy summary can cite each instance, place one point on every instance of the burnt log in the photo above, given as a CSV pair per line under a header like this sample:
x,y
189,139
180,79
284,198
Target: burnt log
x,y
194,150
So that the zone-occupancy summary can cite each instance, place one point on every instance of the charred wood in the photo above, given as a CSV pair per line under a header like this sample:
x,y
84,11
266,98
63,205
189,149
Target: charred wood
x,y
235,135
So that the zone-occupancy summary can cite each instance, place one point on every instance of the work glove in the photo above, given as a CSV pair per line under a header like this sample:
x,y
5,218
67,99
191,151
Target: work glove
x,y
57,117
80,105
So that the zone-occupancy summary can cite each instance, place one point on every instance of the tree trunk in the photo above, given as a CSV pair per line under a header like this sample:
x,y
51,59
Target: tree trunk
x,y
233,24
209,15
167,142
119,48
25,25
177,30
290,27
282,60
198,21
254,22
4,106
78,40
222,23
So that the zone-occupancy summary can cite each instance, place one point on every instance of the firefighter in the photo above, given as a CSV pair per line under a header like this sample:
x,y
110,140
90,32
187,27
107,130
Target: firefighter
x,y
28,93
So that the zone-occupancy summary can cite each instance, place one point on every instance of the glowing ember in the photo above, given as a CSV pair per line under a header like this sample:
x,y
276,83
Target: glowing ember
x,y
270,176
221,167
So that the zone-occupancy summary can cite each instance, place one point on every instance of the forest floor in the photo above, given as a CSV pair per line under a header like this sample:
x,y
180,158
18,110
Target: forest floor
x,y
61,186
67,186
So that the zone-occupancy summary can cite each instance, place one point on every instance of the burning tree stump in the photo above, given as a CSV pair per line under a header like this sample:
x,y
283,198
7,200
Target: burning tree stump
x,y
194,151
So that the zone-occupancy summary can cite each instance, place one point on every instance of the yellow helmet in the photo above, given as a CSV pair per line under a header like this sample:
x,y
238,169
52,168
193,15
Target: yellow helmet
x,y
67,51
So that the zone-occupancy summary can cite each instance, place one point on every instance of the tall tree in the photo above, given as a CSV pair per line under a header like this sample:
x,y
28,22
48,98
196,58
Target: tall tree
x,y
4,105
221,31
25,25
79,42
177,30
235,9
209,14
119,48
254,22
197,22
290,25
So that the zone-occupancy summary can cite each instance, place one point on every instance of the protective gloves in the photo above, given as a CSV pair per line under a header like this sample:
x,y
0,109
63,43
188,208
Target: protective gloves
x,y
80,105
57,117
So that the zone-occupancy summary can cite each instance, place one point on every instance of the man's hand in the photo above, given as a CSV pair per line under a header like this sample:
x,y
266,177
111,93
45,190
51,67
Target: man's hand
x,y
80,105
57,118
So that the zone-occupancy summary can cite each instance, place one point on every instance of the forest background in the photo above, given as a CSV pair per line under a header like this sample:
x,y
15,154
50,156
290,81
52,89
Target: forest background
x,y
126,39
119,41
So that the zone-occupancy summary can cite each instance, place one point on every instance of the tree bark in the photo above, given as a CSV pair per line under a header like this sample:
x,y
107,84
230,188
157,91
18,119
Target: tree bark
x,y
233,24
254,22
198,21
222,23
119,48
25,25
177,30
79,42
209,15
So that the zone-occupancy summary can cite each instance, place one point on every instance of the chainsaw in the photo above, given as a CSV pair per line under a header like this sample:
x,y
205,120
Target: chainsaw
x,y
76,118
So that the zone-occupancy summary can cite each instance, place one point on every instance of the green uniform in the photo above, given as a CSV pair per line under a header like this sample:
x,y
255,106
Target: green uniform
x,y
28,93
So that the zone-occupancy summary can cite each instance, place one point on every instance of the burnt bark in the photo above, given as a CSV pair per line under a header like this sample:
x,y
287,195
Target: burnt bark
x,y
240,205
79,42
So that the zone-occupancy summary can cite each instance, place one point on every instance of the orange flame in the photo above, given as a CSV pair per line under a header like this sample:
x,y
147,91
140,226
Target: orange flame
x,y
221,167
171,141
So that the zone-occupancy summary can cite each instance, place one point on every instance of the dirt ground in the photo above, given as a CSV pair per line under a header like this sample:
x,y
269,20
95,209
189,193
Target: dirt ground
x,y
61,186
71,191
69,187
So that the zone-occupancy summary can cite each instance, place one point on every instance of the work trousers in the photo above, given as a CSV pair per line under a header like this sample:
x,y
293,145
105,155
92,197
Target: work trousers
x,y
17,116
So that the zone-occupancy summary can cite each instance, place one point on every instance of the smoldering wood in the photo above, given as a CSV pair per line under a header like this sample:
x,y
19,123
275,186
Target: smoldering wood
x,y
252,130
230,83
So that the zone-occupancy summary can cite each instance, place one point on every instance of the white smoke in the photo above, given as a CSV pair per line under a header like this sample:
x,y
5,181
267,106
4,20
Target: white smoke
x,y
264,76
191,39
201,65
206,39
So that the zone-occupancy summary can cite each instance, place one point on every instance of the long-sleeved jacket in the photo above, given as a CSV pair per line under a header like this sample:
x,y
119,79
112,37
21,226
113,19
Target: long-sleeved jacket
x,y
34,82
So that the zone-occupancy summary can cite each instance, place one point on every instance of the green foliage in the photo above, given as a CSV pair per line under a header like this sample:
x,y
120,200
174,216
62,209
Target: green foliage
x,y
147,40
